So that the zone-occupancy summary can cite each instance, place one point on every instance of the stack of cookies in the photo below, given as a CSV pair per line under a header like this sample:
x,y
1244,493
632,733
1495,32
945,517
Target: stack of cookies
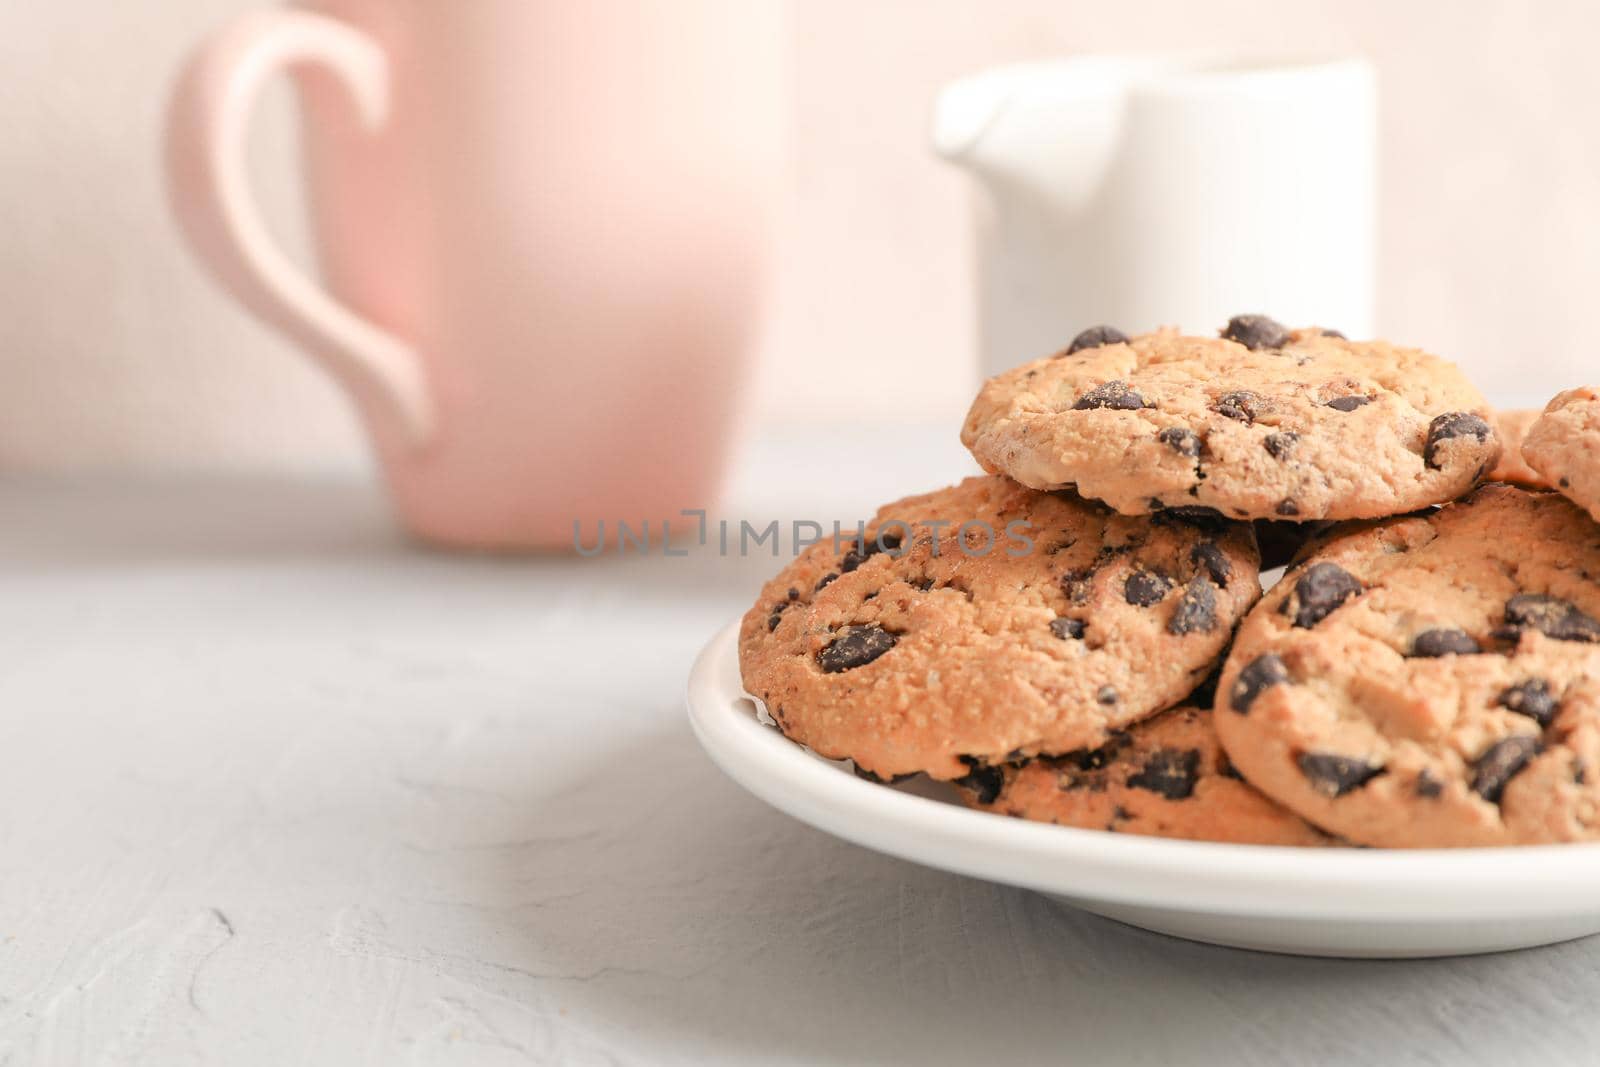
x,y
1081,637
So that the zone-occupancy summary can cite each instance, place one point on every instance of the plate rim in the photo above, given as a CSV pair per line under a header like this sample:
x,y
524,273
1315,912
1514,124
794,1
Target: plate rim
x,y
1269,881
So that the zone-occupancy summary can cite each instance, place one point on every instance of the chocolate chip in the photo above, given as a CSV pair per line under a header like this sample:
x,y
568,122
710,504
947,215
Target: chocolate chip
x,y
1077,584
1259,674
1334,775
1256,332
1144,588
1500,763
1551,616
1114,395
1106,695
852,560
1196,610
983,781
924,585
1279,445
1240,405
1333,333
1095,336
794,594
773,619
1348,403
1451,424
1065,628
856,647
1183,442
1169,772
1427,785
1320,590
825,581
1444,642
1531,698
1095,759
885,541
1208,555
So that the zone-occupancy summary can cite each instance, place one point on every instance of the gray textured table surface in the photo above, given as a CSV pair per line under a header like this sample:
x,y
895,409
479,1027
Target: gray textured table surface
x,y
276,788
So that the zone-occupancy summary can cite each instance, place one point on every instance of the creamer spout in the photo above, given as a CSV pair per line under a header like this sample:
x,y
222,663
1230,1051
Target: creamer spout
x,y
963,111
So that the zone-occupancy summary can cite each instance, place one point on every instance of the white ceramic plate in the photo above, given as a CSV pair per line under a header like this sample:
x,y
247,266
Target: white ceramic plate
x,y
1321,902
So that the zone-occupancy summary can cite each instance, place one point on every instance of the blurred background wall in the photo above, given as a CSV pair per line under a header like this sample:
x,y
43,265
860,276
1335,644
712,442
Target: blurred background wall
x,y
115,350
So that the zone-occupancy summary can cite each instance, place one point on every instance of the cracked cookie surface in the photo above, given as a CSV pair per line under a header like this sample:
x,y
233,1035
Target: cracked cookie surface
x,y
1431,680
1164,777
934,655
1262,423
1563,446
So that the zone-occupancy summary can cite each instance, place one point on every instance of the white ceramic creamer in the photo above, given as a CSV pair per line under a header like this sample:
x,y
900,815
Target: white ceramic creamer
x,y
1149,191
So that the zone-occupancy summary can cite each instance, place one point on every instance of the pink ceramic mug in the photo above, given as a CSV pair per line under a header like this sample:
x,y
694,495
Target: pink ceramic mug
x,y
541,227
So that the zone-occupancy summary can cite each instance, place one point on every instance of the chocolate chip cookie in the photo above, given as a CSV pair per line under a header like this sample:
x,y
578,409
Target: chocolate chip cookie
x,y
987,622
1563,446
1430,680
1261,423
1512,428
1166,777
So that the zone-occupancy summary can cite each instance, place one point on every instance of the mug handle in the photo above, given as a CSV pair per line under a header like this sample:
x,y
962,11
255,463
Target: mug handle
x,y
206,181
